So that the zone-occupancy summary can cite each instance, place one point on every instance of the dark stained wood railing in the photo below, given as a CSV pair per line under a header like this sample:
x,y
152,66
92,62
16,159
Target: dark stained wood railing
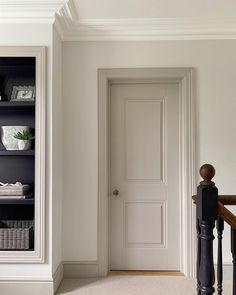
x,y
227,199
211,212
226,215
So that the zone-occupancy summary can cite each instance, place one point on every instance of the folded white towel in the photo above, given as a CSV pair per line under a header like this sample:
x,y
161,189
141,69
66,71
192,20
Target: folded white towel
x,y
11,184
14,190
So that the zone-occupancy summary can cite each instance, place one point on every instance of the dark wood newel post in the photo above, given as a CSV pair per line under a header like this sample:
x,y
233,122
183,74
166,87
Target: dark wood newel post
x,y
207,200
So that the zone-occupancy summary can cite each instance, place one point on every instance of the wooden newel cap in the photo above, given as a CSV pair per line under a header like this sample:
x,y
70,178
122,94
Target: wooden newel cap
x,y
207,172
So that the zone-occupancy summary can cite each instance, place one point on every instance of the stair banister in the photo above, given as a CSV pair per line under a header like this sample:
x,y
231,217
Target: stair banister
x,y
207,206
210,208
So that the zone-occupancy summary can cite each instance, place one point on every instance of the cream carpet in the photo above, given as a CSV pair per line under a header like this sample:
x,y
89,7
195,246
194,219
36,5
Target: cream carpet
x,y
133,285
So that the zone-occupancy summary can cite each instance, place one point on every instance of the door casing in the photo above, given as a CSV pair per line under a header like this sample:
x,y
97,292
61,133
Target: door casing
x,y
184,77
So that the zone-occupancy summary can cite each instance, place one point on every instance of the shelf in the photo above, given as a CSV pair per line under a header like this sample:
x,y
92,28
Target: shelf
x,y
29,201
8,105
16,250
17,153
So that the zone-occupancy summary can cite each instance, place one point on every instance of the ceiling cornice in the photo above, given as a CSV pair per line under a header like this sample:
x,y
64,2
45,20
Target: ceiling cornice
x,y
151,29
66,17
71,28
29,11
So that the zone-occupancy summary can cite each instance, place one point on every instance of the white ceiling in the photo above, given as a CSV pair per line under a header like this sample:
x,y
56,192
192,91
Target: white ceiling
x,y
117,9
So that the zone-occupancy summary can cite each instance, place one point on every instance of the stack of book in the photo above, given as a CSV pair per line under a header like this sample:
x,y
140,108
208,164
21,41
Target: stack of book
x,y
14,191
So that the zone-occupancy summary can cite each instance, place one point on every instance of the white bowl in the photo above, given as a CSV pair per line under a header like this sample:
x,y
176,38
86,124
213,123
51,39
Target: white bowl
x,y
7,136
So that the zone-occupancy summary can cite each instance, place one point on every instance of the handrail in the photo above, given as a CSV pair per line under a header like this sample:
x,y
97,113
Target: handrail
x,y
227,199
223,212
226,215
224,199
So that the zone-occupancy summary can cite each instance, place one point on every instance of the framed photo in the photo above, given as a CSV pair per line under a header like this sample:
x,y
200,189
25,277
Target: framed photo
x,y
23,93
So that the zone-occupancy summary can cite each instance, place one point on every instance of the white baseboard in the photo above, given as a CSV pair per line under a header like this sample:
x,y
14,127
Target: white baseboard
x,y
57,277
89,269
227,271
69,269
26,287
80,269
35,286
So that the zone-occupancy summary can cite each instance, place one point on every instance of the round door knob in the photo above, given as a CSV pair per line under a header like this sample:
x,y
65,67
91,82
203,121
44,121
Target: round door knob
x,y
115,192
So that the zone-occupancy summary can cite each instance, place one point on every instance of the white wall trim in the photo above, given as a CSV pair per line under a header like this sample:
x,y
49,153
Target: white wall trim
x,y
25,10
32,285
89,269
26,279
65,17
38,255
26,287
58,277
187,156
151,29
37,12
61,12
227,271
80,269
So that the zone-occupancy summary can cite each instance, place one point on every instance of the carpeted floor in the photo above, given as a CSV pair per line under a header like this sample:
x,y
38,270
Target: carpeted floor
x,y
133,285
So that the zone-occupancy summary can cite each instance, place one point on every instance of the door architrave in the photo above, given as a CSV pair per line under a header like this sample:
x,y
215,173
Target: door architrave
x,y
184,77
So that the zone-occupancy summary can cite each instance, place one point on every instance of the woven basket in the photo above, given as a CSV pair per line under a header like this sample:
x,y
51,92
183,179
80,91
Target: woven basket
x,y
16,234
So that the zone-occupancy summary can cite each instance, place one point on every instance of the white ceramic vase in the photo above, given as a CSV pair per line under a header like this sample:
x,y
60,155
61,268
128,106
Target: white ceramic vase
x,y
24,145
7,136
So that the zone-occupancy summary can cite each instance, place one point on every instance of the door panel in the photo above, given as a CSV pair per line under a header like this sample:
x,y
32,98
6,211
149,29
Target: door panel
x,y
143,157
144,165
136,232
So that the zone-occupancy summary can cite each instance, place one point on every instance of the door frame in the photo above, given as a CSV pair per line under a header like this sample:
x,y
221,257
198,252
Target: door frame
x,y
187,185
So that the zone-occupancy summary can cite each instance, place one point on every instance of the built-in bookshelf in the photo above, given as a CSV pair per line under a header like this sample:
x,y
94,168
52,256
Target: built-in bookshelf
x,y
17,165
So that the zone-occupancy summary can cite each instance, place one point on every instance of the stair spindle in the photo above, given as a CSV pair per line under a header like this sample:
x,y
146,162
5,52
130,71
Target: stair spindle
x,y
220,228
233,251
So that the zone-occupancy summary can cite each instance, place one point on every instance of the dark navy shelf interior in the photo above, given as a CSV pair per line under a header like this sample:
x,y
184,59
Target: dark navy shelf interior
x,y
29,201
16,105
17,165
17,153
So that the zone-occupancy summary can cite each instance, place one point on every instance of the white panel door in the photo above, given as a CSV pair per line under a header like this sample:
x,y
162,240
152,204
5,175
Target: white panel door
x,y
144,176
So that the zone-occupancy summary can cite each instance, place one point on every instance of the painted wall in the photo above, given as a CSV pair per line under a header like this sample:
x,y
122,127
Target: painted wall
x,y
214,65
35,35
110,9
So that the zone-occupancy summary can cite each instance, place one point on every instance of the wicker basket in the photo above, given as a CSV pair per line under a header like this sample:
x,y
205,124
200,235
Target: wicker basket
x,y
16,234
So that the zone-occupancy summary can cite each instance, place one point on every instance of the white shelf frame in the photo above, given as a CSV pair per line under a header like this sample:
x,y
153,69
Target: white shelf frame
x,y
38,254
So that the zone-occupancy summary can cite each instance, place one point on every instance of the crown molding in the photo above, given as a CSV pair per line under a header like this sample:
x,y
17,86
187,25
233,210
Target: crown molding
x,y
66,17
29,11
150,29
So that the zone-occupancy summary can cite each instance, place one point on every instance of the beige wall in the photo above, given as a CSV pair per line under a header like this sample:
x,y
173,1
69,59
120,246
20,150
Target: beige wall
x,y
215,75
